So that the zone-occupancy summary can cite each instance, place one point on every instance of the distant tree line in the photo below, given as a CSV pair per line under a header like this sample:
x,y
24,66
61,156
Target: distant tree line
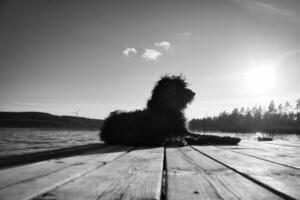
x,y
273,119
46,120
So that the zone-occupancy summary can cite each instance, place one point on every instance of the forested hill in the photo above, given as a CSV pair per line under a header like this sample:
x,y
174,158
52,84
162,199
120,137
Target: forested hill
x,y
283,119
46,120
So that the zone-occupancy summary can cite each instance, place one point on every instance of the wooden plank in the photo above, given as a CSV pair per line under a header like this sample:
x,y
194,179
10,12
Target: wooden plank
x,y
267,145
281,179
289,156
14,175
285,143
136,175
42,177
191,175
11,160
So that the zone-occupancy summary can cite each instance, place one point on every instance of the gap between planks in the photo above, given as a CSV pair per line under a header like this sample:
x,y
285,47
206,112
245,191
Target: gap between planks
x,y
284,155
259,157
35,185
25,173
136,175
161,185
286,188
192,175
15,160
284,143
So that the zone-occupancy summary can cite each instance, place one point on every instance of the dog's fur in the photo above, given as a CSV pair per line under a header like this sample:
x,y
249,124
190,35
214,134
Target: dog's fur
x,y
162,118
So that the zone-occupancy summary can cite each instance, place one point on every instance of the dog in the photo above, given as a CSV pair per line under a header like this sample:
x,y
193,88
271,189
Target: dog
x,y
162,118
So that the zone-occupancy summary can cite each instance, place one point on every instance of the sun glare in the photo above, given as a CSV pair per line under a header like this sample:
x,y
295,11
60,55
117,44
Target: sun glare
x,y
260,79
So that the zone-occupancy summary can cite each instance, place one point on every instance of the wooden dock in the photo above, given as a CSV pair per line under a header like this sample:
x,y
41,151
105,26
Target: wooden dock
x,y
251,170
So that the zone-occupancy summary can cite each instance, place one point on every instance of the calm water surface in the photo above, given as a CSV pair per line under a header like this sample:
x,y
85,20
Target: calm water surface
x,y
294,138
19,141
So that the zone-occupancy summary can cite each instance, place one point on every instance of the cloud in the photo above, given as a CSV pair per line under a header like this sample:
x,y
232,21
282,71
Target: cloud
x,y
164,44
258,5
129,51
184,34
151,54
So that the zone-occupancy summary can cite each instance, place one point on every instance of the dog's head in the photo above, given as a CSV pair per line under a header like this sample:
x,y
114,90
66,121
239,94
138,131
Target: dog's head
x,y
170,92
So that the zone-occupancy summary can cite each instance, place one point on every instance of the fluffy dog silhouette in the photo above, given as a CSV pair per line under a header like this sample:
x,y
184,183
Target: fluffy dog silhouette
x,y
162,118
161,122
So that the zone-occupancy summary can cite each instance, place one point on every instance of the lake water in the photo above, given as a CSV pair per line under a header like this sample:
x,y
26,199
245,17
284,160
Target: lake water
x,y
252,136
15,141
26,140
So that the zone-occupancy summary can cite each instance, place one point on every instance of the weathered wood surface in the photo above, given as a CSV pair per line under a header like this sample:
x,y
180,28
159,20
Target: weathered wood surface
x,y
8,161
192,175
136,175
285,180
285,143
250,170
284,155
33,179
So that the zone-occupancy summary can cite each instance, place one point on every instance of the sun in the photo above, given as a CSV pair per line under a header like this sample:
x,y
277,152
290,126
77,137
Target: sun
x,y
261,78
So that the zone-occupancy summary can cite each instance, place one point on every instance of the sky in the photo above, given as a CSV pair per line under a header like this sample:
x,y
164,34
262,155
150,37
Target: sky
x,y
88,58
